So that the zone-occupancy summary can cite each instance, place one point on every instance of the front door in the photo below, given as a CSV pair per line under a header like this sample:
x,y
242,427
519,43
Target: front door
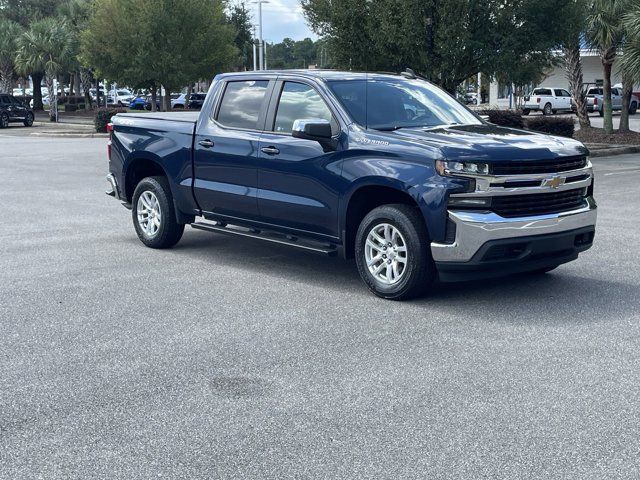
x,y
297,179
226,151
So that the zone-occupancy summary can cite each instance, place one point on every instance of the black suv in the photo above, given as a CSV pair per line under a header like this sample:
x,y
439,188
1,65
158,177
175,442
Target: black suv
x,y
13,110
196,100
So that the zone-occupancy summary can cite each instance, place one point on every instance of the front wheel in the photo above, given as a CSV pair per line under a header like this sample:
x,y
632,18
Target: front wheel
x,y
526,111
393,253
4,120
154,216
28,120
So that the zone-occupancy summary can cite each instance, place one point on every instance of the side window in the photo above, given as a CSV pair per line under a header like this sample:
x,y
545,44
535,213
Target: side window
x,y
241,104
565,93
299,101
14,100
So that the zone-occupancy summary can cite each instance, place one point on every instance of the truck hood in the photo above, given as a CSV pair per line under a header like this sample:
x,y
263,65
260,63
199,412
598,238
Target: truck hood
x,y
490,143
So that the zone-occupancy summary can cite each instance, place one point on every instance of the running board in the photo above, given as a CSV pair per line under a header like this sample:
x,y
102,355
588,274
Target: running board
x,y
289,241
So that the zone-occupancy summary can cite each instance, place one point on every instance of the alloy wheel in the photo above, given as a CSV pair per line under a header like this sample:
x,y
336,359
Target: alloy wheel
x,y
386,254
149,213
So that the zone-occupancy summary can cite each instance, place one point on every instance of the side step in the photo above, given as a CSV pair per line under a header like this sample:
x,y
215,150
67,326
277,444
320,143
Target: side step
x,y
288,240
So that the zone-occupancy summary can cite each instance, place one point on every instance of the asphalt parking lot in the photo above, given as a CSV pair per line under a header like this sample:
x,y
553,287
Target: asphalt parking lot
x,y
226,358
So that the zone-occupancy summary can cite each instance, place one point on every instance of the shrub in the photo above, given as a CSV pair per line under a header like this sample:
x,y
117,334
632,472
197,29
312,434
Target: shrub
x,y
563,126
103,117
70,100
69,107
505,118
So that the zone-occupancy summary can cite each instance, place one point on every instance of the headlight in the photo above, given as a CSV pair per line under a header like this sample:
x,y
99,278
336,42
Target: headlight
x,y
465,168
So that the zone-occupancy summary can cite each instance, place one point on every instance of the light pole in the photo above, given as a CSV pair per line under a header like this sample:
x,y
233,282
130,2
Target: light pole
x,y
260,40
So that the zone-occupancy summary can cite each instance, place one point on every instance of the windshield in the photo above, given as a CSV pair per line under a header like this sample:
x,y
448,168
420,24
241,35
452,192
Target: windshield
x,y
390,104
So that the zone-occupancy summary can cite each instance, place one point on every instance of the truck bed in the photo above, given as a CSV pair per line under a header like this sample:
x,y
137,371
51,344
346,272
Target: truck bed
x,y
191,117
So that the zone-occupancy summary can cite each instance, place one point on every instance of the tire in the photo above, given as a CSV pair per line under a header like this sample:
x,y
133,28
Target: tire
x,y
547,110
28,121
601,112
526,111
418,272
4,120
164,231
633,108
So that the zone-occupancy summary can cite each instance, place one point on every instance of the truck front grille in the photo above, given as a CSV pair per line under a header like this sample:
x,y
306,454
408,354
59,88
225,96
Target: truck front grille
x,y
520,167
538,204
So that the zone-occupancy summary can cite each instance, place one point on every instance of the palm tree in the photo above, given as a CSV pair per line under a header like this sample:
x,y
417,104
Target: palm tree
x,y
605,33
9,33
45,47
631,59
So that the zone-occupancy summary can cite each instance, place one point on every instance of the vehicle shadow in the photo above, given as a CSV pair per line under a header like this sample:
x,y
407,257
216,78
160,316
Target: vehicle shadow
x,y
568,294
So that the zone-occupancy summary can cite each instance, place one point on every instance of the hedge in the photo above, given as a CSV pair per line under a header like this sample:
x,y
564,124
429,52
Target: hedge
x,y
505,118
103,117
562,126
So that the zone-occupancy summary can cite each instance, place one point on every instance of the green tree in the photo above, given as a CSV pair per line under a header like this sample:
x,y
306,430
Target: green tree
x,y
240,19
9,33
605,32
45,47
158,42
447,41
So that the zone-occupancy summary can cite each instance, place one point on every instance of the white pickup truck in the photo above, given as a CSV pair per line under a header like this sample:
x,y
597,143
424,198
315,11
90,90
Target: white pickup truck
x,y
595,101
547,100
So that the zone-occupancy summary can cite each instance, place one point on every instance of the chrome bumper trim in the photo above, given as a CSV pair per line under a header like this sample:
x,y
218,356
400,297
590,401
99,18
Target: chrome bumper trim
x,y
114,187
474,229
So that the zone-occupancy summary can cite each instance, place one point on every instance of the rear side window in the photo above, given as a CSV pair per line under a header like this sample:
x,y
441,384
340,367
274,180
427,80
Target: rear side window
x,y
299,101
241,104
542,91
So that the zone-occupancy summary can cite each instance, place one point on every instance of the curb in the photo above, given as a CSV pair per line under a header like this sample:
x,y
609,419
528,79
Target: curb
x,y
608,152
69,135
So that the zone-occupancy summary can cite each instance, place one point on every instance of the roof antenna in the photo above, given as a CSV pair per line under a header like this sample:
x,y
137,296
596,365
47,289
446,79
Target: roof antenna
x,y
409,73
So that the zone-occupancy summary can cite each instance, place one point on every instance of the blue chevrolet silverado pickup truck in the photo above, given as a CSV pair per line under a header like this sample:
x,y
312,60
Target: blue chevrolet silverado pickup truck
x,y
385,168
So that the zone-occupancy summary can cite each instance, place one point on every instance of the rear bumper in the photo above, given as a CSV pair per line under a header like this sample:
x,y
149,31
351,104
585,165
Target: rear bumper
x,y
113,187
487,244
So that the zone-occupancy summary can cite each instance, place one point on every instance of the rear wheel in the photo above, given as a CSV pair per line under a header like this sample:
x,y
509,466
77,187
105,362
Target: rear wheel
x,y
154,216
547,110
601,112
633,108
28,120
393,252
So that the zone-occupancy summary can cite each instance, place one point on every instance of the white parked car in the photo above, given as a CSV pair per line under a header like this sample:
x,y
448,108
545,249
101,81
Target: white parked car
x,y
122,98
45,102
548,101
178,100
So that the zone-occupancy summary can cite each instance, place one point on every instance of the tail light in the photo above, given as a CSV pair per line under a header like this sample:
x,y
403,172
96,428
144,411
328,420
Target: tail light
x,y
110,132
595,101
538,99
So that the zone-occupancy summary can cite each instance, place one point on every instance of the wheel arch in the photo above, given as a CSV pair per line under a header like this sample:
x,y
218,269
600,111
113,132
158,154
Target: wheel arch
x,y
367,195
138,167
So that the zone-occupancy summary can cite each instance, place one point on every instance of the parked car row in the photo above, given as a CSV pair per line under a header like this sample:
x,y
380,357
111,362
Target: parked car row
x,y
554,100
178,100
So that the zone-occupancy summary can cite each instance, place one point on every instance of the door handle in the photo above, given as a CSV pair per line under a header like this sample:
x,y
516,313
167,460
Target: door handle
x,y
206,143
270,150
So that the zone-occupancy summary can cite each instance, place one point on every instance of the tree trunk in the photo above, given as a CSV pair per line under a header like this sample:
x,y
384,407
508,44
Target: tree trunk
x,y
85,78
76,76
627,89
573,66
167,99
36,78
608,56
53,96
6,78
154,99
97,93
188,96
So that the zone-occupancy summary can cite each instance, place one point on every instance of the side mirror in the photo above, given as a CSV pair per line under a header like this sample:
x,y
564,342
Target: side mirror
x,y
312,129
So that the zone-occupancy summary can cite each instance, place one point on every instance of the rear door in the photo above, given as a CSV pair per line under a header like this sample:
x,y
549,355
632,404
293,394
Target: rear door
x,y
226,149
563,99
616,99
297,177
19,110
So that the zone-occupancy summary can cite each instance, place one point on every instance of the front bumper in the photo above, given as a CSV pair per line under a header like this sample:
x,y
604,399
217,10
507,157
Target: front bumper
x,y
523,240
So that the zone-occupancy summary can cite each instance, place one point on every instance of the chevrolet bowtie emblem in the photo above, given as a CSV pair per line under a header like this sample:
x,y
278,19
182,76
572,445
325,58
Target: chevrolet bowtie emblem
x,y
553,182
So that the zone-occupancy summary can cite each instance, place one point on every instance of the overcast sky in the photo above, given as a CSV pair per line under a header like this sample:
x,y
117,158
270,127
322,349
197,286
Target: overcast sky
x,y
281,18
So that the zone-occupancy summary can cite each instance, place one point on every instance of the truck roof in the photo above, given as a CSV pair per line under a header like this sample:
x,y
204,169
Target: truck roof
x,y
315,73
